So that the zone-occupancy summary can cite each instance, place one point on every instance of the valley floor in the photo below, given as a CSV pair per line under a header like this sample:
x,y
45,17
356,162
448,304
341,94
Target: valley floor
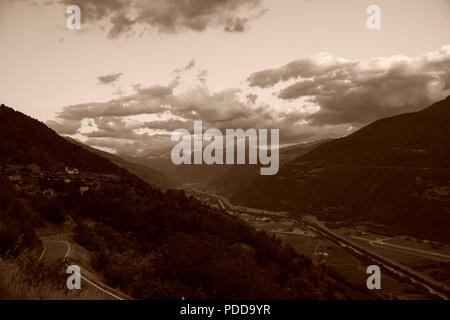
x,y
430,261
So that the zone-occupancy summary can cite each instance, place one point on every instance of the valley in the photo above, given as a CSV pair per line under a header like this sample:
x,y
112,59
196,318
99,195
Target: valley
x,y
310,232
128,233
412,268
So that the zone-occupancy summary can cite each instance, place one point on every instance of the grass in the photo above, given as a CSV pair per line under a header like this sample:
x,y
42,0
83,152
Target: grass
x,y
348,265
23,279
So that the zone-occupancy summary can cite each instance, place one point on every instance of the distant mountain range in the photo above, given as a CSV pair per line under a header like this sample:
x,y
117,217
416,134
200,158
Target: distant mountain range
x,y
146,173
395,171
226,178
235,179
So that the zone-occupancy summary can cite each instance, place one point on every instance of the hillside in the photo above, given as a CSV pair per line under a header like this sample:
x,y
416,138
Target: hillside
x,y
146,243
237,178
146,173
23,140
395,171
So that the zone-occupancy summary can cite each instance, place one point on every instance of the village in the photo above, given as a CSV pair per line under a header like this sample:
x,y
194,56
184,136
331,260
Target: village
x,y
31,180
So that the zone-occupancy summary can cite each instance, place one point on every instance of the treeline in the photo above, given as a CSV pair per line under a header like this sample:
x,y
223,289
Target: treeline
x,y
169,246
17,222
155,245
24,140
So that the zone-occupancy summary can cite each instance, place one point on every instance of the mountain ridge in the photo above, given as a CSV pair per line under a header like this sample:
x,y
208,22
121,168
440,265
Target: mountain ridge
x,y
153,177
393,171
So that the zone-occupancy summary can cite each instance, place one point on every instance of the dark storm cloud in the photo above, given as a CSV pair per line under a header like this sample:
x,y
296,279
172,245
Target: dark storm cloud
x,y
110,78
170,16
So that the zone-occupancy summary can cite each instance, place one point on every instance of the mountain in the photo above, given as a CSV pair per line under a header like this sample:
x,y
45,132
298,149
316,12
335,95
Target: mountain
x,y
145,243
146,173
395,171
224,178
237,178
24,140
160,162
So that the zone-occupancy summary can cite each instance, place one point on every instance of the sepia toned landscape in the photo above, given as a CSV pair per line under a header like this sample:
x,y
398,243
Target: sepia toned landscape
x,y
224,150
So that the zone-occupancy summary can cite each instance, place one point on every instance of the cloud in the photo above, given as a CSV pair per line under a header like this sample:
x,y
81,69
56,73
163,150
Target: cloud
x,y
143,121
35,3
64,126
308,99
358,92
169,16
305,68
110,78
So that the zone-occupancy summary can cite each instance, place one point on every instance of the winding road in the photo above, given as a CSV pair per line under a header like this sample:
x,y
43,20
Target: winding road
x,y
60,249
54,249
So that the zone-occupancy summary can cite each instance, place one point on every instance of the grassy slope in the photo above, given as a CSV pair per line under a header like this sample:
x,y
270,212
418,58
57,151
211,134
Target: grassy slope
x,y
21,280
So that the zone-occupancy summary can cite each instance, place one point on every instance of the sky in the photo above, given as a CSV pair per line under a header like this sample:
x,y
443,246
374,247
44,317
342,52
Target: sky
x,y
137,70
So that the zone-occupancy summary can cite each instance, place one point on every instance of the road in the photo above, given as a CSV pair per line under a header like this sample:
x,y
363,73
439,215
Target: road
x,y
317,247
393,266
221,204
430,284
54,249
60,249
409,250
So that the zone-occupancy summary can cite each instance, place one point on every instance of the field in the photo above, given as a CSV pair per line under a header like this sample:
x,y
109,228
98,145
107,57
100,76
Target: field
x,y
432,267
322,250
